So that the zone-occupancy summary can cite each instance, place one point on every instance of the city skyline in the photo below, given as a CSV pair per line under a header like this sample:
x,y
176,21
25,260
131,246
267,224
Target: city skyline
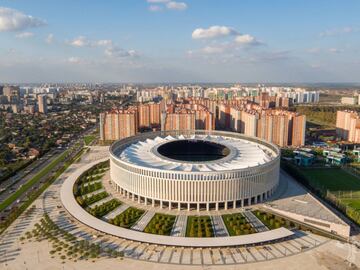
x,y
160,41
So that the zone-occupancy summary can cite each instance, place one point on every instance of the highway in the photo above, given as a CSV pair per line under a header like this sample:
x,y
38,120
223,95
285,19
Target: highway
x,y
25,175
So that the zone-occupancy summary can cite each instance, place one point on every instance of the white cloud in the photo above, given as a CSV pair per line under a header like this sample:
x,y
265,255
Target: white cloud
x,y
338,31
212,50
335,50
24,35
176,5
213,32
158,5
155,8
14,20
103,42
117,52
246,40
49,39
74,60
82,41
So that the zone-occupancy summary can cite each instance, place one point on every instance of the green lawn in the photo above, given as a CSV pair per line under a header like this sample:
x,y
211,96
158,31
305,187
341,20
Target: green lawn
x,y
88,139
13,197
332,179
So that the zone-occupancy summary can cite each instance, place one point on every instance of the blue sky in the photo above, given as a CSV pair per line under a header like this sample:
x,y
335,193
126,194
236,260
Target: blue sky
x,y
179,41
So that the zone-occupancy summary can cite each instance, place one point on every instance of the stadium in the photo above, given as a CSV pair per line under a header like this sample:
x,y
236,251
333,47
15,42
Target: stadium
x,y
195,170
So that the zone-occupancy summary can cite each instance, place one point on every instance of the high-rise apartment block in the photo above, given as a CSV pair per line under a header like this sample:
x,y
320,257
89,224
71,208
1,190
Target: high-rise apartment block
x,y
348,126
118,124
149,115
42,105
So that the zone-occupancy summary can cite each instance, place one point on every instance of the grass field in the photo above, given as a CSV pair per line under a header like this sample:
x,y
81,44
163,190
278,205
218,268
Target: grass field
x,y
332,179
88,139
338,182
13,197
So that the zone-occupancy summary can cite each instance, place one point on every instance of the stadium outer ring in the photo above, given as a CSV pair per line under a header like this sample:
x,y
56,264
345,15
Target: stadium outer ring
x,y
74,209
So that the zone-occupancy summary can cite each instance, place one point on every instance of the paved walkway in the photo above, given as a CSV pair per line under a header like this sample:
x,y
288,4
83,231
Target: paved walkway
x,y
93,193
179,227
255,222
143,221
219,226
92,182
117,211
108,198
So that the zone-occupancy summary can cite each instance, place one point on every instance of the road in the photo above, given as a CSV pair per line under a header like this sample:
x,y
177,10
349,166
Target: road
x,y
29,173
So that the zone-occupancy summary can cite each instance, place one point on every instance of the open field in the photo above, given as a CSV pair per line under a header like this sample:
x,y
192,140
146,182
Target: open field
x,y
332,179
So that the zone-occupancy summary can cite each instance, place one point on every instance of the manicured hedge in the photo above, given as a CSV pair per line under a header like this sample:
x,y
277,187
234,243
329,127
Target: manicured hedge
x,y
236,224
127,218
271,221
160,224
88,200
105,208
199,226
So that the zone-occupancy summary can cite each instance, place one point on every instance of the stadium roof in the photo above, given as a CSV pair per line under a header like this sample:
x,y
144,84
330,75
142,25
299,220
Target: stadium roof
x,y
243,154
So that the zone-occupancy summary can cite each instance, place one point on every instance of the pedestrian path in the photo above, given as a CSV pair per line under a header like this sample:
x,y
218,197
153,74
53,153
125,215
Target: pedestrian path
x,y
101,202
92,182
255,222
179,228
117,211
143,221
219,226
94,193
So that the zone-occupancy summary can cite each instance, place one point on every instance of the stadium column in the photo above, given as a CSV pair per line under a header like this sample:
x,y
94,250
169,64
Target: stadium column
x,y
188,206
207,206
179,206
198,207
161,204
217,206
234,204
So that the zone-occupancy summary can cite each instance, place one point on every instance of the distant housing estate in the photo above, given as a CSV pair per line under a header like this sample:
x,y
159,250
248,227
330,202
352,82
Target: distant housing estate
x,y
241,115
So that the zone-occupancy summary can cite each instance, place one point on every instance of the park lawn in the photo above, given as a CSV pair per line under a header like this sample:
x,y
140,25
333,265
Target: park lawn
x,y
88,139
332,179
13,197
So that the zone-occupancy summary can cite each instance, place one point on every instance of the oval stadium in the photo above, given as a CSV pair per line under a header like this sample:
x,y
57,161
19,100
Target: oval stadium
x,y
195,170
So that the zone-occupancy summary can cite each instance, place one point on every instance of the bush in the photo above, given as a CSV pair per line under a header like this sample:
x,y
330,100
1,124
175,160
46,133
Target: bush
x,y
128,217
161,224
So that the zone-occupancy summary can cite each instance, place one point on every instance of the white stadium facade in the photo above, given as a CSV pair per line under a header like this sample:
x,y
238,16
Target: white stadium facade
x,y
195,170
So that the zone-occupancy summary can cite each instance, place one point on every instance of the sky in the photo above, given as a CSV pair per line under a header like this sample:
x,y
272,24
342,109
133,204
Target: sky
x,y
180,41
